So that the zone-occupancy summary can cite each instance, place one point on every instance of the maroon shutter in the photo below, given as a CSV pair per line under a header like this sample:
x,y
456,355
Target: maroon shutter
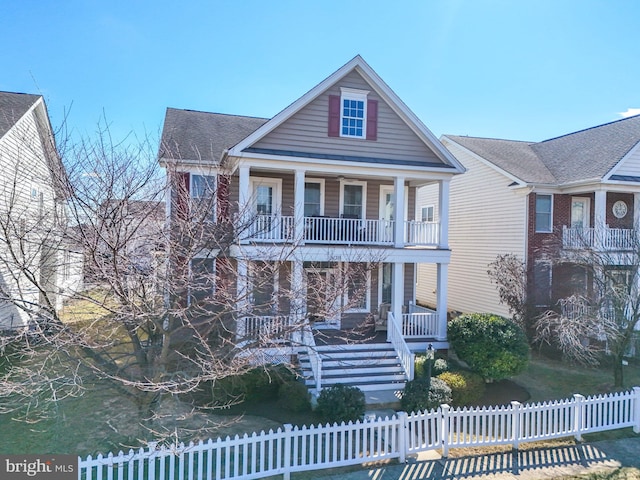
x,y
182,191
372,119
223,198
334,115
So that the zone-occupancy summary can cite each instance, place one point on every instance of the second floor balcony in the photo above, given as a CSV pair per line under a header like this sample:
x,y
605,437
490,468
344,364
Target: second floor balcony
x,y
600,239
340,231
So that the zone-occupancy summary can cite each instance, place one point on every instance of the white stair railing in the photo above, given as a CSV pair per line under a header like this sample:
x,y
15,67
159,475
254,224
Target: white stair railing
x,y
314,357
406,356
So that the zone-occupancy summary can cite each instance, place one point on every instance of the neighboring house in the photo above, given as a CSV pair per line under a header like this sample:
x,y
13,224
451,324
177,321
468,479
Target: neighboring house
x,y
327,189
540,201
31,213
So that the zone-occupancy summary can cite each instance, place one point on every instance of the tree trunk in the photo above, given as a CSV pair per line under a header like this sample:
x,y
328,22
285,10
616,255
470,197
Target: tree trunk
x,y
618,379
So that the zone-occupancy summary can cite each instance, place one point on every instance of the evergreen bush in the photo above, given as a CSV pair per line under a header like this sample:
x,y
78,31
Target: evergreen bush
x,y
466,387
341,403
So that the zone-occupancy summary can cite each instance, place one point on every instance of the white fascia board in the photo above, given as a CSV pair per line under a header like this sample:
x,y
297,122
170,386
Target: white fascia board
x,y
621,162
486,162
343,167
396,104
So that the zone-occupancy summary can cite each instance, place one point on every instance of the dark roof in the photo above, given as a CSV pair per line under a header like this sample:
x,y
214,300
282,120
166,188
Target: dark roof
x,y
514,157
583,155
12,107
203,136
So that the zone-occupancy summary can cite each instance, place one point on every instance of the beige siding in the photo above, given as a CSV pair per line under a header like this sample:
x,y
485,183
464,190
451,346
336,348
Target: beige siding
x,y
26,191
486,219
306,131
631,165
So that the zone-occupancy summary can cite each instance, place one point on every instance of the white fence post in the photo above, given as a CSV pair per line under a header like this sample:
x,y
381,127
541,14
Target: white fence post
x,y
516,423
578,415
287,452
444,412
636,409
403,431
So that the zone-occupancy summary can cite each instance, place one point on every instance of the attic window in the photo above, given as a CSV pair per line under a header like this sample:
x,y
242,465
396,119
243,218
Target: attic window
x,y
353,115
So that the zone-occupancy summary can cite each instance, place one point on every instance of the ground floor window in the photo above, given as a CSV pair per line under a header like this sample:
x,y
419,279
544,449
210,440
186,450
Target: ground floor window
x,y
357,284
203,279
542,284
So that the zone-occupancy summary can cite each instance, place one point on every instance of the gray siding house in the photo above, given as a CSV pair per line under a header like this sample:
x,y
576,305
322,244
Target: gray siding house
x,y
326,190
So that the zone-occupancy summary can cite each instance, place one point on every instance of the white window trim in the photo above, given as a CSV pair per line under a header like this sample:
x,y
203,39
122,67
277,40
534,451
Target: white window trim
x,y
276,183
587,203
354,94
321,182
276,285
364,195
367,307
535,213
433,213
214,212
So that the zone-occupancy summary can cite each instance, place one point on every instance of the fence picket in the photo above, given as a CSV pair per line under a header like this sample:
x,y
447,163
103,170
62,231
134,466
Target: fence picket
x,y
296,449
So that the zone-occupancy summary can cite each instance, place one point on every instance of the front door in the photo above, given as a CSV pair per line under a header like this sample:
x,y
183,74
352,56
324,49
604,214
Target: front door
x,y
322,298
579,212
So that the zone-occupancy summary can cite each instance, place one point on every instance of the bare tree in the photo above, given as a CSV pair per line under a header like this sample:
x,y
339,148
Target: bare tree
x,y
509,274
604,316
163,294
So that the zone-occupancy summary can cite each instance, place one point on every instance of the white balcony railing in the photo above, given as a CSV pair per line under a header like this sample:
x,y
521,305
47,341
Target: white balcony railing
x,y
422,233
341,231
599,238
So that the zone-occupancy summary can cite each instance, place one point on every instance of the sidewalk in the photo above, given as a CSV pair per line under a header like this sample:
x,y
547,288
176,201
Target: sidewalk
x,y
526,464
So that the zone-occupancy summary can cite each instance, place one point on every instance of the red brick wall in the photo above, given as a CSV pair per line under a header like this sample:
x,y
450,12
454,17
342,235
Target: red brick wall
x,y
627,220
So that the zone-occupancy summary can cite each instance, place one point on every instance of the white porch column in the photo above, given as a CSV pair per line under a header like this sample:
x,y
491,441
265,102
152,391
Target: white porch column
x,y
441,300
299,299
298,209
443,213
636,212
600,217
398,212
397,293
242,303
244,200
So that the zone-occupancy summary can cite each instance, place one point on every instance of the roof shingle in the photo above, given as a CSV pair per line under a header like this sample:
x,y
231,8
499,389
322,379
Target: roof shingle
x,y
12,107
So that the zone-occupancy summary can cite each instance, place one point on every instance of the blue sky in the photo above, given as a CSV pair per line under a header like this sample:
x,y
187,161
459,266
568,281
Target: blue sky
x,y
519,69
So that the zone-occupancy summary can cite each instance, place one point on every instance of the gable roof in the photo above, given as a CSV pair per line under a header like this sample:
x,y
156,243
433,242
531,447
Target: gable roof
x,y
203,136
588,154
381,88
13,106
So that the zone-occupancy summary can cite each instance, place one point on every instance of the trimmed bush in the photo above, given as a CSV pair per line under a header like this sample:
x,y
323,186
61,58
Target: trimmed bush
x,y
493,346
294,397
340,403
263,383
415,396
439,366
466,387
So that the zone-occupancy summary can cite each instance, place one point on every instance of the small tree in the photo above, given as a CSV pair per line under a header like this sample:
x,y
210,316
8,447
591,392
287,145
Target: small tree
x,y
509,274
493,346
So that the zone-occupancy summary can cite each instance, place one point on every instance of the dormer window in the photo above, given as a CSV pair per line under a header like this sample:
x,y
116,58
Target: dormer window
x,y
353,113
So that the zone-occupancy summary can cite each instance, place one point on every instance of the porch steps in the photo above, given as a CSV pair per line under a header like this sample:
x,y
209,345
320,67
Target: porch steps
x,y
369,367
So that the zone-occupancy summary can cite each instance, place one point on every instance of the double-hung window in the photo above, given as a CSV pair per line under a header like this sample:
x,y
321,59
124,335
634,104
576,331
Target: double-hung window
x,y
313,198
353,113
427,213
203,199
544,213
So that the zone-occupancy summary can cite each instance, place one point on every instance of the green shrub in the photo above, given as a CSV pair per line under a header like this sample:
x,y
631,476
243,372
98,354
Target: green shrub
x,y
294,397
493,346
466,387
340,403
263,383
415,396
421,367
439,366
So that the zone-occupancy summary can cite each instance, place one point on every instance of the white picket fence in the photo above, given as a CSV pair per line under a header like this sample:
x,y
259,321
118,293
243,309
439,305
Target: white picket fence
x,y
296,449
